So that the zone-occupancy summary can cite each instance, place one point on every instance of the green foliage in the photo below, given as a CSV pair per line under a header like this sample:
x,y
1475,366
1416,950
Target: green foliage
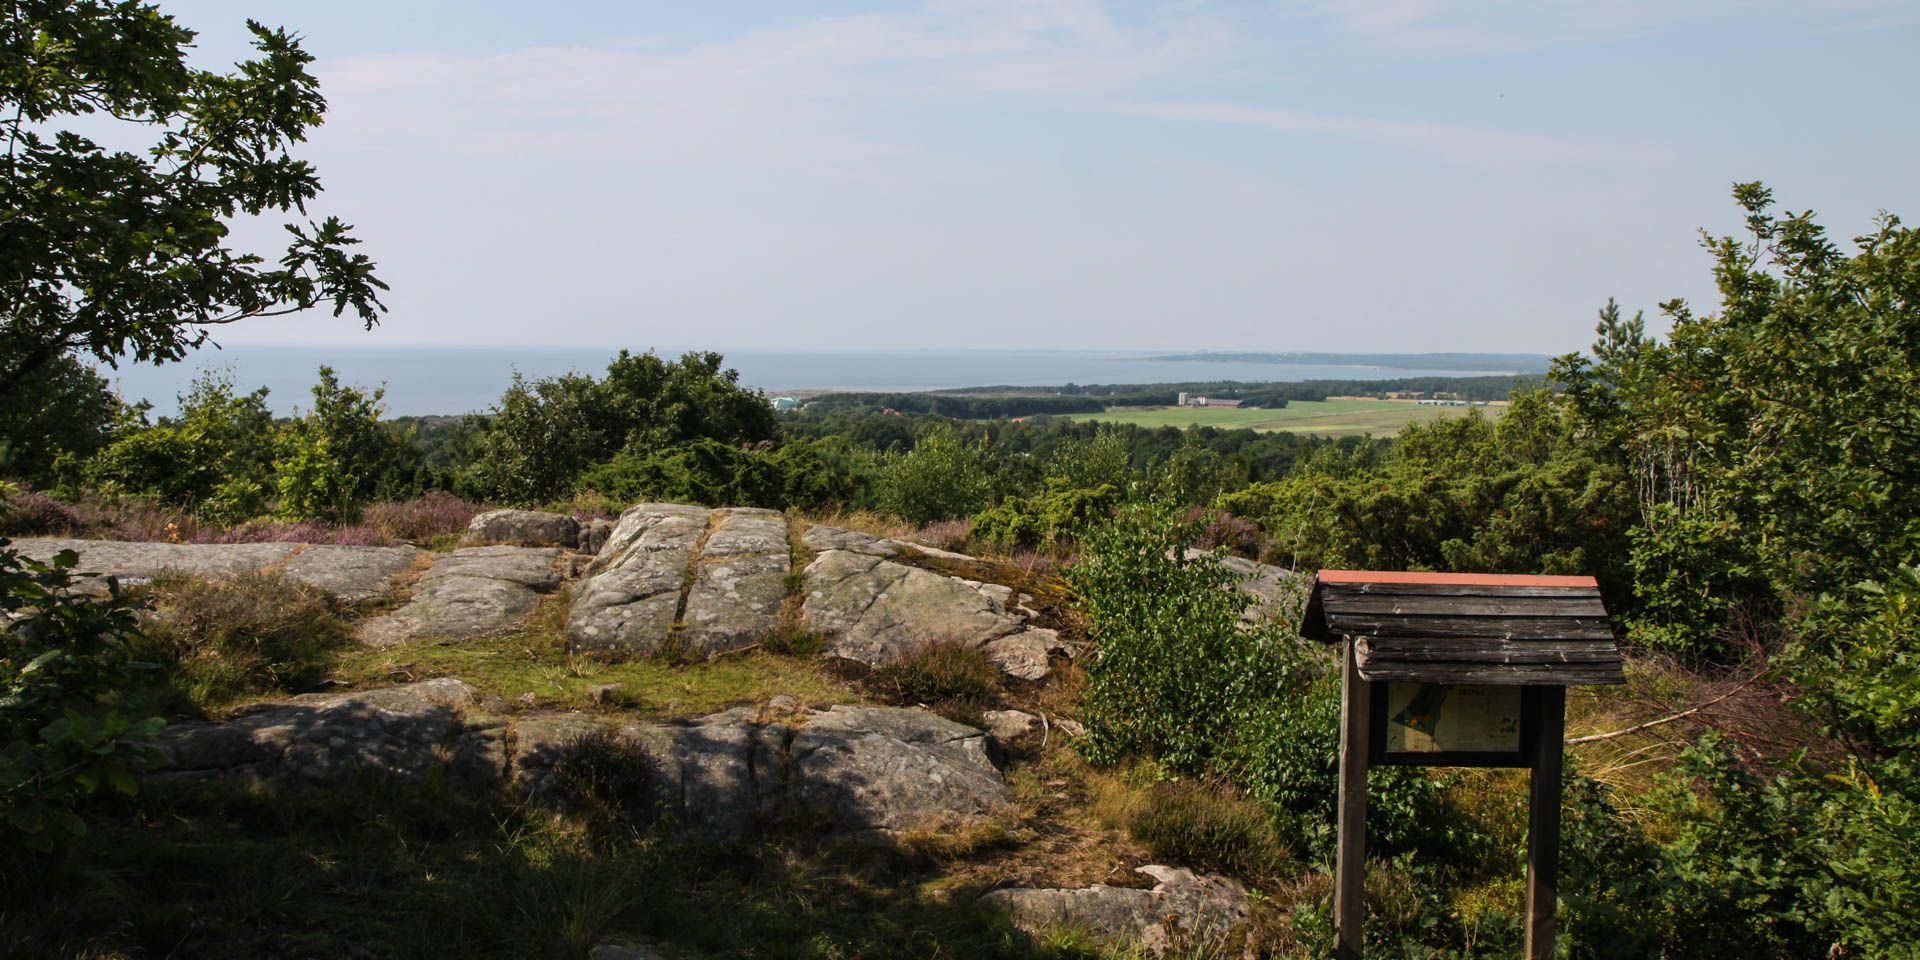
x,y
1192,824
219,447
124,253
331,461
1175,669
59,417
814,475
943,477
542,436
1054,517
62,659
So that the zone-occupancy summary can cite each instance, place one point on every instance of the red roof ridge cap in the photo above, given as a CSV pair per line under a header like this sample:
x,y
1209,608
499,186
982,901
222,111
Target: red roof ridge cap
x,y
1460,579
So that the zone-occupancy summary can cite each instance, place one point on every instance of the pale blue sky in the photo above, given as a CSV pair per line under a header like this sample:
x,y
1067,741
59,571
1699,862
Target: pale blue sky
x,y
1412,175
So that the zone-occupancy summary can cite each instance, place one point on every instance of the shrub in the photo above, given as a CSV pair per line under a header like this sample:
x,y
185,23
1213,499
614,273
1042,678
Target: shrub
x,y
608,777
1200,826
63,657
256,632
1053,518
939,671
943,477
946,534
422,518
34,514
330,462
1219,529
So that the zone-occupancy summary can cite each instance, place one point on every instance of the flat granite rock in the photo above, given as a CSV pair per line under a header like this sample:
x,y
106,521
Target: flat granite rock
x,y
875,771
350,573
876,611
1184,911
471,591
631,596
318,738
739,583
823,539
125,559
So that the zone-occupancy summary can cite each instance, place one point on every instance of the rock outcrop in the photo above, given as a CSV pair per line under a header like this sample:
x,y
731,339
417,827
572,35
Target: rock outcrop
x,y
350,573
873,771
739,583
631,597
1182,911
523,528
318,738
471,591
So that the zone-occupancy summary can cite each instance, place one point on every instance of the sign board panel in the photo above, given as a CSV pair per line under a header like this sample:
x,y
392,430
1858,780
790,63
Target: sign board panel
x,y
1436,724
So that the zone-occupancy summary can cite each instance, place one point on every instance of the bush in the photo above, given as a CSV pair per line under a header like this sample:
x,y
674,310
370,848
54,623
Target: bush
x,y
422,518
63,659
942,478
1051,519
34,514
607,777
257,632
331,462
1200,826
941,671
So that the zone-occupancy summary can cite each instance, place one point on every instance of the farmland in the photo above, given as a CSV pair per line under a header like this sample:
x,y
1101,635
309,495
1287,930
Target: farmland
x,y
1335,416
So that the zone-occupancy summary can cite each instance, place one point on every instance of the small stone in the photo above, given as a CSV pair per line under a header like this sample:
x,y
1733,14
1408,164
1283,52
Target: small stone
x,y
602,692
1007,725
1071,728
783,705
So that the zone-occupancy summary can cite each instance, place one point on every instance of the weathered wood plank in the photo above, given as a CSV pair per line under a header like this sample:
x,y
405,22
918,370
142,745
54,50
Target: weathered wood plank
x,y
1401,605
1514,628
1350,858
1495,674
1490,651
1543,823
1451,590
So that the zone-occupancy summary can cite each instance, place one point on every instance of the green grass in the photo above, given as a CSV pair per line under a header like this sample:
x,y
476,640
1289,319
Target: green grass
x,y
1343,416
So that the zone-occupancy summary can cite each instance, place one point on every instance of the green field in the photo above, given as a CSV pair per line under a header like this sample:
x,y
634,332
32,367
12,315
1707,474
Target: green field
x,y
1337,417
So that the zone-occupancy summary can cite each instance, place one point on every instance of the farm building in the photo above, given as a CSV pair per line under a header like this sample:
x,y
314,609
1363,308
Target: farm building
x,y
1189,400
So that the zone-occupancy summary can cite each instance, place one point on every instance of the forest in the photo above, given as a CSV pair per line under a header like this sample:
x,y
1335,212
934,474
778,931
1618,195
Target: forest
x,y
1741,488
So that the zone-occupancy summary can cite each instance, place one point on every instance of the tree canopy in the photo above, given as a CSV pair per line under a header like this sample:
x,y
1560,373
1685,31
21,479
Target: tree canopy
x,y
123,254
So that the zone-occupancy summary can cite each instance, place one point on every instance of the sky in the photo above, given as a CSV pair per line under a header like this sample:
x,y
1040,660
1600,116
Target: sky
x,y
1332,175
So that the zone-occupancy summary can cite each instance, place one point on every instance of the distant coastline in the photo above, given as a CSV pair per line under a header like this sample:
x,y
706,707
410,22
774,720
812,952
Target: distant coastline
x,y
1485,364
429,380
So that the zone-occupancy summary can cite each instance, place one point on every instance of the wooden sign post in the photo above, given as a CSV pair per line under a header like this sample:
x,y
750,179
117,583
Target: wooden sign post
x,y
1457,670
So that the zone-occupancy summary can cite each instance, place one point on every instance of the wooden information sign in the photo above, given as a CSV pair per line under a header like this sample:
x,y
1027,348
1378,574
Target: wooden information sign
x,y
1458,670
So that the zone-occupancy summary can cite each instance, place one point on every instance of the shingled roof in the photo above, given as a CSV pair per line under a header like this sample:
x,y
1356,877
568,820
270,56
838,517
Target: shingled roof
x,y
1467,628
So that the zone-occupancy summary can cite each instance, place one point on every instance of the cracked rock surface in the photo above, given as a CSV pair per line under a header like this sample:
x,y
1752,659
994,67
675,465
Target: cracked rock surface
x,y
631,597
871,770
318,738
739,583
875,610
1184,910
471,591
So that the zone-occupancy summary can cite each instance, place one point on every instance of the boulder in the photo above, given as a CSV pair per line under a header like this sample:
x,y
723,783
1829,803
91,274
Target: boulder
x,y
1009,725
1025,654
631,597
740,582
471,591
525,528
876,611
593,536
1183,911
318,738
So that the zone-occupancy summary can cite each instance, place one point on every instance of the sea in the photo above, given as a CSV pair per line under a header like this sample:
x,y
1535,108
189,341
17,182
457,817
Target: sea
x,y
428,380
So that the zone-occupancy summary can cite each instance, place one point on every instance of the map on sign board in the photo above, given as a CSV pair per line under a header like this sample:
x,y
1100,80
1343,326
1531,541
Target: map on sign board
x,y
1436,718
